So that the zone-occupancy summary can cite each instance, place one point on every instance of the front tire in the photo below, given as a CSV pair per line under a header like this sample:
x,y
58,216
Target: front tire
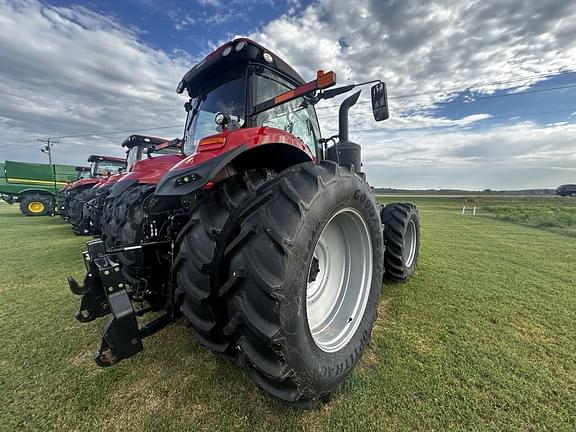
x,y
297,351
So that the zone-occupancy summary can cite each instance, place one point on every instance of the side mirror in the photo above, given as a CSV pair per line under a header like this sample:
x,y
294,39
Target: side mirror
x,y
380,102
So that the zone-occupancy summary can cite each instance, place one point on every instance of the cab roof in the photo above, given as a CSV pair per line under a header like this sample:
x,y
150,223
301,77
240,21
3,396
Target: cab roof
x,y
98,158
136,140
239,52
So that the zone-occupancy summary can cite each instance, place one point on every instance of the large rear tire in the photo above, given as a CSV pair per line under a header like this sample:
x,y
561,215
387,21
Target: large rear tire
x,y
92,212
96,208
75,205
64,203
304,281
199,265
124,224
402,240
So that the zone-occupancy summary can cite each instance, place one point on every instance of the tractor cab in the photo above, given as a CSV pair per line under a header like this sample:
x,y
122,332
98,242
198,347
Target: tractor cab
x,y
82,172
226,88
104,166
248,108
138,146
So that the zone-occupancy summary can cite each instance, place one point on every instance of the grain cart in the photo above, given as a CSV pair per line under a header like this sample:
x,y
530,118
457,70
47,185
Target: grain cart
x,y
137,147
273,246
73,198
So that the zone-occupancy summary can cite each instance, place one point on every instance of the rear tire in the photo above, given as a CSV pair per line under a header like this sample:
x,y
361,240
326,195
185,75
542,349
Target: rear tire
x,y
123,224
402,240
36,205
75,205
199,265
295,351
95,210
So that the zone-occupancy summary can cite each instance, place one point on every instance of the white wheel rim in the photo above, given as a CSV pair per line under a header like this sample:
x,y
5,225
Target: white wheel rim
x,y
409,250
339,280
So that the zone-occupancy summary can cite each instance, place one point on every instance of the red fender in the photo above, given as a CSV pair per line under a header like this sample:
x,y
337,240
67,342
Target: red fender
x,y
216,145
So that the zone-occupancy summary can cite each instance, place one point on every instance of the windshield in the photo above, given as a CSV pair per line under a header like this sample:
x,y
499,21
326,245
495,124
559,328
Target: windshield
x,y
102,168
82,174
228,98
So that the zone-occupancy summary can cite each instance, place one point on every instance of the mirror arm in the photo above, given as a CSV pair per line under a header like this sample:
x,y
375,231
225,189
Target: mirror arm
x,y
329,94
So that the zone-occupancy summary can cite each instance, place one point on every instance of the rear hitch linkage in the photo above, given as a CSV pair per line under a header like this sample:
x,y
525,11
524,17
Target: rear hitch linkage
x,y
104,291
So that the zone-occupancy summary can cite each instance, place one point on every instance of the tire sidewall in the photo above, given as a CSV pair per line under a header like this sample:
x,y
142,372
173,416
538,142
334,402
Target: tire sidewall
x,y
25,202
320,370
412,216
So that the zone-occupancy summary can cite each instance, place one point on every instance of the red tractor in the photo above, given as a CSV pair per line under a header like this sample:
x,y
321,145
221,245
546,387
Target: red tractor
x,y
137,147
75,195
265,236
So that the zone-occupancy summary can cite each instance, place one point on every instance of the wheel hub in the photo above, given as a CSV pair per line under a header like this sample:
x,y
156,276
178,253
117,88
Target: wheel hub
x,y
339,280
409,251
36,207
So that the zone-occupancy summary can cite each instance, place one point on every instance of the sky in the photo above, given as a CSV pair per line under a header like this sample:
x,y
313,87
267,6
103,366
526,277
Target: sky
x,y
482,92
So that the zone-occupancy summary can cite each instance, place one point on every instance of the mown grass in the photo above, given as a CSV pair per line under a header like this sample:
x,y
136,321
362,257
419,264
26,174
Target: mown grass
x,y
483,338
553,213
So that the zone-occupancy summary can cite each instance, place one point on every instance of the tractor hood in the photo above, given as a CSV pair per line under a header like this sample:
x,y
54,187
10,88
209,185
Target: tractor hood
x,y
146,171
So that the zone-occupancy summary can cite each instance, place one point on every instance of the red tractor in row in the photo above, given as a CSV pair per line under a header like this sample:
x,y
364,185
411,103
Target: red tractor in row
x,y
73,196
262,234
137,148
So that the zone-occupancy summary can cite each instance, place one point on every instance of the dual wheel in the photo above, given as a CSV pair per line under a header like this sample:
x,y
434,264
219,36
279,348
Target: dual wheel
x,y
283,273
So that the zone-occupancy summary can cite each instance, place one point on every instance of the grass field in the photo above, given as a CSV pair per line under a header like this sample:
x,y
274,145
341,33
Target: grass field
x,y
483,338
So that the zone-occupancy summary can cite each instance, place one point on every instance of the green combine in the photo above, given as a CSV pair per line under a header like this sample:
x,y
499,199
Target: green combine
x,y
35,186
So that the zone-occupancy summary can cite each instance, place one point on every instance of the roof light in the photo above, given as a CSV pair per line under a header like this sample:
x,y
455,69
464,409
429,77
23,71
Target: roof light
x,y
220,118
267,57
181,86
226,51
240,46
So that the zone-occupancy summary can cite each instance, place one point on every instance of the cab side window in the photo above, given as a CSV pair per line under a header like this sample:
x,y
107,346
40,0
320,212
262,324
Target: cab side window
x,y
296,117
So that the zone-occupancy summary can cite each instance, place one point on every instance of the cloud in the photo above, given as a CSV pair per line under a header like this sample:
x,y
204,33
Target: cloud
x,y
522,155
69,70
427,48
